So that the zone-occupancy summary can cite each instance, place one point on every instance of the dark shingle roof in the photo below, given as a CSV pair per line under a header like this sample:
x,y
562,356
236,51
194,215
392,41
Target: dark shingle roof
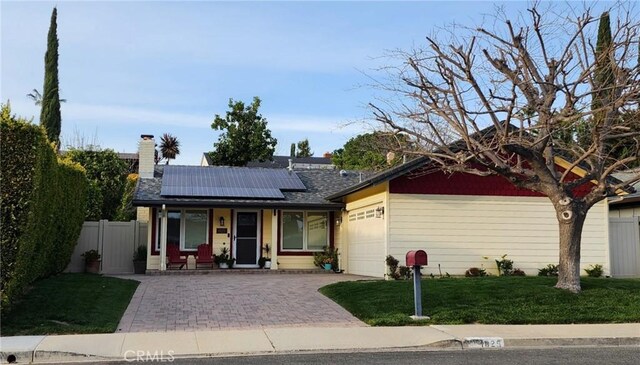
x,y
319,184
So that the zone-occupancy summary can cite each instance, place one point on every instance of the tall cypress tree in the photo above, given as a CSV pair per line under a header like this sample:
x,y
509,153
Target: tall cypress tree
x,y
604,78
50,117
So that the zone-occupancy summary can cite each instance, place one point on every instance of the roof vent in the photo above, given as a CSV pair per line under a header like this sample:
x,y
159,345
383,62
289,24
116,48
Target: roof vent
x,y
343,173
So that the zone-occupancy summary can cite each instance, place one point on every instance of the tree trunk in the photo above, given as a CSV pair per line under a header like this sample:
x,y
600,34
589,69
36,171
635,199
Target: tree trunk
x,y
571,225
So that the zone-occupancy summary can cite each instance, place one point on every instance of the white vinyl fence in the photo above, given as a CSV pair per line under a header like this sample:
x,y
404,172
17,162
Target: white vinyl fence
x,y
625,246
115,241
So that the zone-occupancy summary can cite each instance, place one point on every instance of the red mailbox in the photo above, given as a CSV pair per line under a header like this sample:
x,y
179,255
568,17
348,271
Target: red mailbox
x,y
416,258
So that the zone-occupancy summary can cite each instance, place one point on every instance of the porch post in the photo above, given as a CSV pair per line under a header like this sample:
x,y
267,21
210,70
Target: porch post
x,y
163,239
274,239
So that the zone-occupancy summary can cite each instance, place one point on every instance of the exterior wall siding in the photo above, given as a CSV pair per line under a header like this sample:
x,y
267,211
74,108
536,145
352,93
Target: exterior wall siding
x,y
295,262
458,231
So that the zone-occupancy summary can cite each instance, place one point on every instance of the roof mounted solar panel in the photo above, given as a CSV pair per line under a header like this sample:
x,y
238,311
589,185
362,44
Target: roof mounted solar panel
x,y
228,182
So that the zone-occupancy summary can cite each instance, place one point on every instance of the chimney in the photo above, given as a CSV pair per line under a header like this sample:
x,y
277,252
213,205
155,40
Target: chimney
x,y
146,155
390,157
327,155
290,165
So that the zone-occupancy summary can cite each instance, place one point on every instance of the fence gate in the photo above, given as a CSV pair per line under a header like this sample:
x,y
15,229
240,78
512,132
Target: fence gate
x,y
624,238
115,241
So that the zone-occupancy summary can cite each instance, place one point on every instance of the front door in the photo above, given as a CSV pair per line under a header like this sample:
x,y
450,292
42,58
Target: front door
x,y
246,249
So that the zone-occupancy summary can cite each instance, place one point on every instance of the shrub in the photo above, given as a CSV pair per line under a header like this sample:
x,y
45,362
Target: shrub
x,y
549,270
405,272
518,272
475,271
140,254
91,255
42,205
328,255
505,266
594,271
126,210
392,264
108,173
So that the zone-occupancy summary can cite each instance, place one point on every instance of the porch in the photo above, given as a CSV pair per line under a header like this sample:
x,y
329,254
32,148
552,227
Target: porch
x,y
243,237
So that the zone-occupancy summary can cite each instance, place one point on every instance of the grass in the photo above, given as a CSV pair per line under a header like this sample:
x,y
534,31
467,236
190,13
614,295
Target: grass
x,y
490,300
70,303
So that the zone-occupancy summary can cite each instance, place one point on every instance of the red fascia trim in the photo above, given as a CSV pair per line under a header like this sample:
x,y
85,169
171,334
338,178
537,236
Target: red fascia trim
x,y
290,253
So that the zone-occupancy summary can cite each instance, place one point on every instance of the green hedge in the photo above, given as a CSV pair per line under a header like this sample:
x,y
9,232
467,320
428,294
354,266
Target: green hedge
x,y
42,204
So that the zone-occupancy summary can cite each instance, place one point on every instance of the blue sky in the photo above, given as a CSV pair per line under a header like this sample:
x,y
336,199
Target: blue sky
x,y
131,68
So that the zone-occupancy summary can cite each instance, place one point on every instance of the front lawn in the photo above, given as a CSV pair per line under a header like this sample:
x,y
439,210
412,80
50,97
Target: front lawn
x,y
70,303
490,300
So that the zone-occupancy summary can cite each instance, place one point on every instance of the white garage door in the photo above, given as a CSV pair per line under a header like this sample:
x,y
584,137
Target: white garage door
x,y
365,239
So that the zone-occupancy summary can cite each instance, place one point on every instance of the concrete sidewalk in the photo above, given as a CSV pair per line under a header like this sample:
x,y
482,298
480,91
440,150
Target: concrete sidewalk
x,y
165,345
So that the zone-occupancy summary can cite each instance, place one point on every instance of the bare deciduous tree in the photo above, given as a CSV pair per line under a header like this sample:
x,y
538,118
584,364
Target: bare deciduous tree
x,y
514,97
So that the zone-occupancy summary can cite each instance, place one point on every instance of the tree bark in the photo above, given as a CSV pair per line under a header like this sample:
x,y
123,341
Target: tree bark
x,y
570,238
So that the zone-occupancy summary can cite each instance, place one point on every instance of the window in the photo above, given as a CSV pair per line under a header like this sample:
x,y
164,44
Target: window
x,y
186,228
305,231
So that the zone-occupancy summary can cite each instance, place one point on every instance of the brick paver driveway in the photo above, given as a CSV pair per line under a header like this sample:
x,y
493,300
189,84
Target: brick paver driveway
x,y
215,301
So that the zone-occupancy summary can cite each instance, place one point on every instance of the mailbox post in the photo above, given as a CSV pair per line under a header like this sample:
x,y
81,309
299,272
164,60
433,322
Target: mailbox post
x,y
415,259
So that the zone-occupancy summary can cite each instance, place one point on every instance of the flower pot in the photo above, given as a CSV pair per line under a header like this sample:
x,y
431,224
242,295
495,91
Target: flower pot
x,y
139,267
92,267
223,265
327,267
267,264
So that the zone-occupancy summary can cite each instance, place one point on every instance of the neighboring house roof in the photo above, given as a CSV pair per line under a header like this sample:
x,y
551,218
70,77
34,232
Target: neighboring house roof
x,y
630,198
319,183
282,162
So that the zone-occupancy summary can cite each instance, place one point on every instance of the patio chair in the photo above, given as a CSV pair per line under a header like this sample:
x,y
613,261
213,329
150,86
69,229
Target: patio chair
x,y
205,255
174,258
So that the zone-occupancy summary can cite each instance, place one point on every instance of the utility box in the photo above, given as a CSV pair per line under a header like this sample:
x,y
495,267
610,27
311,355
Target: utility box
x,y
416,258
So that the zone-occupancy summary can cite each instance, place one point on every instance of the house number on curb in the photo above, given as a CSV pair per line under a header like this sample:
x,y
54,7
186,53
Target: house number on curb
x,y
482,342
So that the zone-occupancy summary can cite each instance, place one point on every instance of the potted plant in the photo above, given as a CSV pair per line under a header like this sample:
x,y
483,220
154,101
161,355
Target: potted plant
x,y
230,262
91,261
266,259
327,259
223,259
140,260
327,263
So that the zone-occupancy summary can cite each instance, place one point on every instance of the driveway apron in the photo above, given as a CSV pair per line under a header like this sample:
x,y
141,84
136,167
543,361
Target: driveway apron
x,y
231,301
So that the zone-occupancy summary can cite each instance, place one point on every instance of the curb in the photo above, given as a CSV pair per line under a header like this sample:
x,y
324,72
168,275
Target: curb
x,y
34,355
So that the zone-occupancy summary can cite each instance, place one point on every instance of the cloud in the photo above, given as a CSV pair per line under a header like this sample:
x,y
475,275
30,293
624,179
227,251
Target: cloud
x,y
313,123
127,115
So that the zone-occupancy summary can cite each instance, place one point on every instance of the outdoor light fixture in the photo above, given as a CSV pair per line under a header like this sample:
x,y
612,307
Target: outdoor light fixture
x,y
221,221
338,221
379,212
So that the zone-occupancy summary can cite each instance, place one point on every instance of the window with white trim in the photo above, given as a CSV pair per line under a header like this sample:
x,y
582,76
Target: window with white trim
x,y
304,231
187,228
